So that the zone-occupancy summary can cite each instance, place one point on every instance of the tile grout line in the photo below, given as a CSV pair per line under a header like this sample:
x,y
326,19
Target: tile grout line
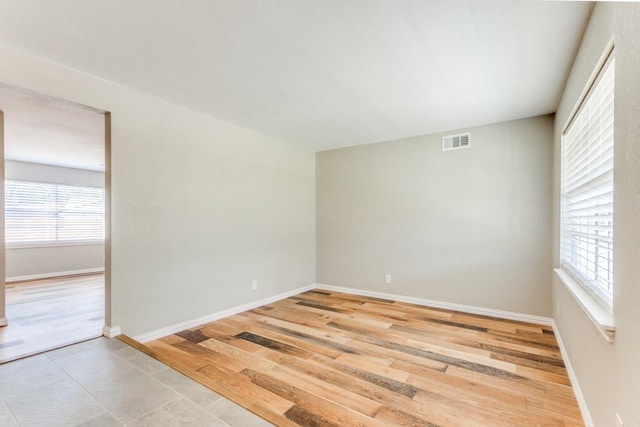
x,y
155,409
220,400
84,388
149,375
206,409
180,395
10,411
176,391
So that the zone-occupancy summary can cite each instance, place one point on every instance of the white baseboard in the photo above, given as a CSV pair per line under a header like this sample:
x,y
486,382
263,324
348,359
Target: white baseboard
x,y
582,403
444,305
3,321
172,329
54,274
111,331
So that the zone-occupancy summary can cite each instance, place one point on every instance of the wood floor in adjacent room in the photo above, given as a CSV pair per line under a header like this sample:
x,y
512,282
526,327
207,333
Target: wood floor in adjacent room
x,y
49,313
331,359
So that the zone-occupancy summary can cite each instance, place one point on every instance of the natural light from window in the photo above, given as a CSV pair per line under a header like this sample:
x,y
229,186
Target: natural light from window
x,y
587,190
43,213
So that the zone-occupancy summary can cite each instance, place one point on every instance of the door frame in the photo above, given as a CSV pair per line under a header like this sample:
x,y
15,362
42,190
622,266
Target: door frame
x,y
108,330
3,301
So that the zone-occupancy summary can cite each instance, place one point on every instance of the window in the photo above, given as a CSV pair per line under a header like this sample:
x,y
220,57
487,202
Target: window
x,y
45,213
587,190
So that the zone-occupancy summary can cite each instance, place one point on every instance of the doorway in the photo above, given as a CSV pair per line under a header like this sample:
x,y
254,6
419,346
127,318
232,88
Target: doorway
x,y
55,214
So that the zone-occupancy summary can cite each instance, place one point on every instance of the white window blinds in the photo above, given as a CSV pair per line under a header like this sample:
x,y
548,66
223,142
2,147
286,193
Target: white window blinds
x,y
587,190
49,213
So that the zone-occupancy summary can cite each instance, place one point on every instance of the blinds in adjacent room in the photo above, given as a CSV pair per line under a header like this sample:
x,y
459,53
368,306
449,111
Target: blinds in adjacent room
x,y
49,213
587,189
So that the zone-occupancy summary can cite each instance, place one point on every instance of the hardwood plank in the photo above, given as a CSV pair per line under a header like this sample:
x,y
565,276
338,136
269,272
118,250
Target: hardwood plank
x,y
292,341
399,418
324,358
259,397
189,360
303,417
195,336
433,413
355,401
332,411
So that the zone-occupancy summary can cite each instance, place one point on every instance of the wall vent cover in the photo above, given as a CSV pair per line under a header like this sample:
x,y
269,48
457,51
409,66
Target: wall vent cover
x,y
455,142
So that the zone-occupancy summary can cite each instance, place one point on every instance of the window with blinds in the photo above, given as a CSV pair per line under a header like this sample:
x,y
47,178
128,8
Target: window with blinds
x,y
52,213
587,190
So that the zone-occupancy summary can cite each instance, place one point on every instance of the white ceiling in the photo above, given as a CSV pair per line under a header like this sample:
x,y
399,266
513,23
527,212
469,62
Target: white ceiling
x,y
45,130
321,73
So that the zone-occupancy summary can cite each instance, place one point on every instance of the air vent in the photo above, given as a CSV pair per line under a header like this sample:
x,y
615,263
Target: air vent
x,y
455,142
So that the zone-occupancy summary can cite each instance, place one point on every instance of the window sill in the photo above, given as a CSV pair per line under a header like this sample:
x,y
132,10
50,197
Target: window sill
x,y
30,245
598,315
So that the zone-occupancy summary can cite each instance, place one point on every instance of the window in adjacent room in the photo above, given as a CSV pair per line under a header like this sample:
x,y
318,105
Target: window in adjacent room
x,y
42,213
587,190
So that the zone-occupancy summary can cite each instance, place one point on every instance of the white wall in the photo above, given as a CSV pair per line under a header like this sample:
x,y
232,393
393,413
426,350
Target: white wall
x,y
608,374
199,207
23,262
467,226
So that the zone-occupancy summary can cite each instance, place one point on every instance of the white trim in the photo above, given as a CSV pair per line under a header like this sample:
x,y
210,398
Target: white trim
x,y
590,81
111,331
172,329
3,321
54,274
602,320
444,305
582,403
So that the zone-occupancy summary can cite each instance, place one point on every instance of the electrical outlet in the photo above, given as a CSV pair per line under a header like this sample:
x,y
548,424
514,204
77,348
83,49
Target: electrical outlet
x,y
619,422
254,284
387,278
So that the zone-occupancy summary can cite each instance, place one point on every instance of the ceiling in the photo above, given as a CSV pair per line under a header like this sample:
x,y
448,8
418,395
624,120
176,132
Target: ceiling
x,y
319,73
45,130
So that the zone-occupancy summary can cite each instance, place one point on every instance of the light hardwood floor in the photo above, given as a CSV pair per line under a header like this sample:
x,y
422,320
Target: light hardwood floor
x,y
50,313
326,359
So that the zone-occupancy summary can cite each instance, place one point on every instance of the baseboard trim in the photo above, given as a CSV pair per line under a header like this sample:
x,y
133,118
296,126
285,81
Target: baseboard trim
x,y
582,403
54,274
501,314
111,331
172,329
3,321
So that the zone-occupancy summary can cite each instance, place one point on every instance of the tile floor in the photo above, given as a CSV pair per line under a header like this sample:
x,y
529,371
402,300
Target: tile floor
x,y
104,382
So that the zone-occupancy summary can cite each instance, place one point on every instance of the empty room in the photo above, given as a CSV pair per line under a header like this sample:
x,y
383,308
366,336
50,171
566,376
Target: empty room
x,y
340,212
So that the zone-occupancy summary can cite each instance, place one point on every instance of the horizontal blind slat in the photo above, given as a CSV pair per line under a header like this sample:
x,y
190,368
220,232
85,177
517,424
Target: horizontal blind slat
x,y
44,212
586,248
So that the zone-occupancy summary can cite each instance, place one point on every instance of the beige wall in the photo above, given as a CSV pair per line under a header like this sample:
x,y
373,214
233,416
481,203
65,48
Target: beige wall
x,y
41,261
608,374
467,226
199,207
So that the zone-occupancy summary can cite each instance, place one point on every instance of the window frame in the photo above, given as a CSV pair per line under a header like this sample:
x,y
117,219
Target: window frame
x,y
55,243
594,291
